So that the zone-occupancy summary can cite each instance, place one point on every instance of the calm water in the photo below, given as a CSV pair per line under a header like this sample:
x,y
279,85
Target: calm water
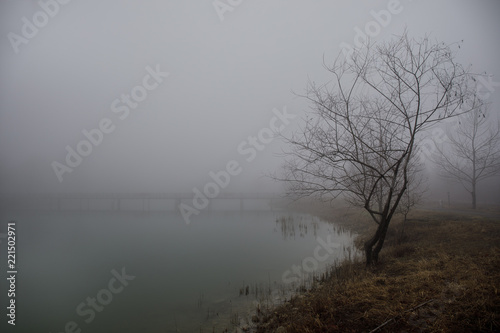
x,y
174,277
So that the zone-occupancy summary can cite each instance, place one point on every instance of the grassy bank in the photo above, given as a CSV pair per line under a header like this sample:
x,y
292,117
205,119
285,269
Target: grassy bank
x,y
443,276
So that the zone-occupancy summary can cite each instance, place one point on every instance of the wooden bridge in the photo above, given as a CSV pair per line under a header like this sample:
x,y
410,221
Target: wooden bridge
x,y
131,201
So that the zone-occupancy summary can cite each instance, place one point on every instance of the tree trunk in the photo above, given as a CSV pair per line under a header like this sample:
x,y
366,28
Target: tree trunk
x,y
473,193
374,244
368,254
369,248
380,243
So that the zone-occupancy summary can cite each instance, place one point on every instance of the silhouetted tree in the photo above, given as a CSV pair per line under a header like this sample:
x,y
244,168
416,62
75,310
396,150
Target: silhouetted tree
x,y
361,134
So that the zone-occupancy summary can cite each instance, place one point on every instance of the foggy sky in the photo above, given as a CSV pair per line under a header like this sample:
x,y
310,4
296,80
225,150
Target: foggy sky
x,y
225,78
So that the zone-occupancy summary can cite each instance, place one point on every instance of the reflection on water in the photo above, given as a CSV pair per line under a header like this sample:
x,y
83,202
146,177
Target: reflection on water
x,y
205,277
289,224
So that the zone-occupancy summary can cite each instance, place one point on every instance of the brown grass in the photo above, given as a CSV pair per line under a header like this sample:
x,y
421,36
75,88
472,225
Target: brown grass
x,y
444,277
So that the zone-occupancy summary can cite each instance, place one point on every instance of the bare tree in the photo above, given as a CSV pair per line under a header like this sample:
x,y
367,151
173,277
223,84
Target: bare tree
x,y
361,135
472,153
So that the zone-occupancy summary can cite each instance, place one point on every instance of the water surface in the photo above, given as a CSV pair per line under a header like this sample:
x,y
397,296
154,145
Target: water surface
x,y
210,274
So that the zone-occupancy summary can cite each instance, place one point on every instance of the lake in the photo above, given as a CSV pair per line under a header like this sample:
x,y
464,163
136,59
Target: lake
x,y
137,272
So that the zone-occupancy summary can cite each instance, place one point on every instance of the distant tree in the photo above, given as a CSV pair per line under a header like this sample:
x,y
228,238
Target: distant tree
x,y
414,194
472,153
360,137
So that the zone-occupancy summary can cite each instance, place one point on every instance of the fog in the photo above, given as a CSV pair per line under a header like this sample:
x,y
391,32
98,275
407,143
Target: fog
x,y
137,141
205,81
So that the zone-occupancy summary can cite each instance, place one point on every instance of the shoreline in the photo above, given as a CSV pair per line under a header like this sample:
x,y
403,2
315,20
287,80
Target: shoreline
x,y
443,275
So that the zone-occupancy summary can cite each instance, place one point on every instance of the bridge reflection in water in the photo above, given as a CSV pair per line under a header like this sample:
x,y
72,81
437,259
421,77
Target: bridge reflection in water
x,y
144,202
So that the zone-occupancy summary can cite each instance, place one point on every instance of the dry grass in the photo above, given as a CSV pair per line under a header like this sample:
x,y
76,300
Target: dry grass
x,y
448,266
